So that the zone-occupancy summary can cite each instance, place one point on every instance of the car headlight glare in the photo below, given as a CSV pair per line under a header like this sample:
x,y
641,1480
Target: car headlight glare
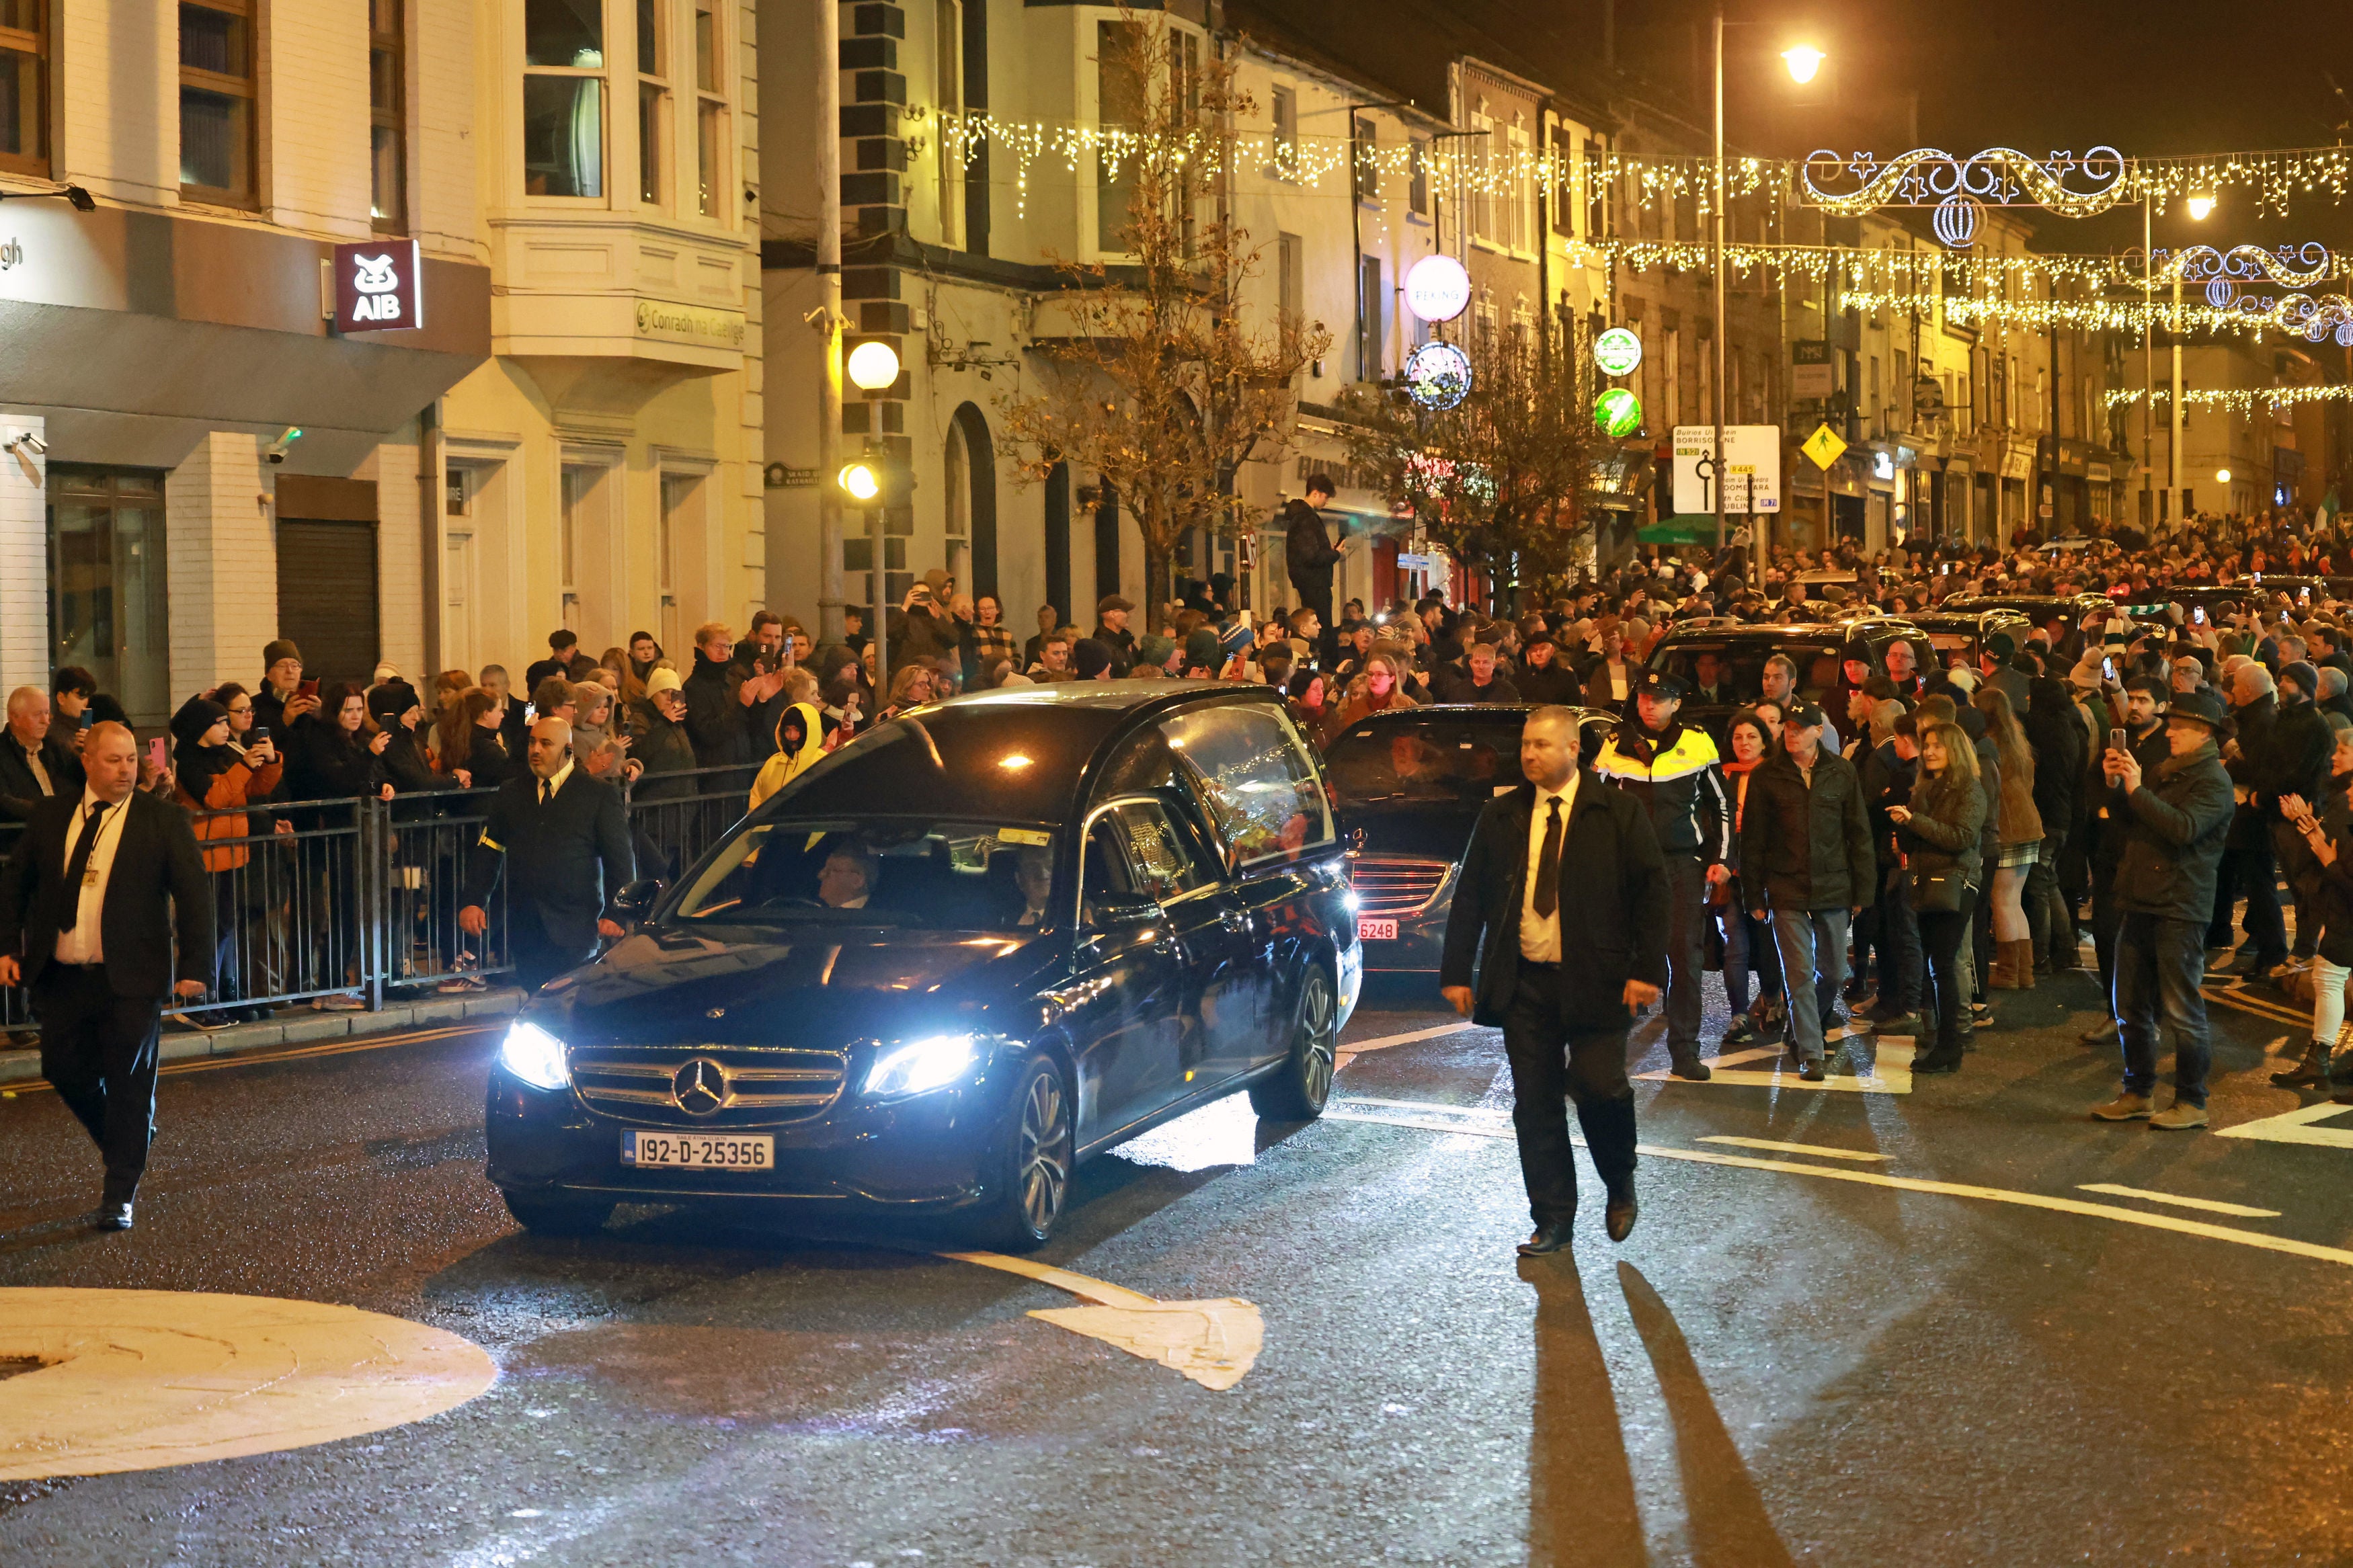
x,y
922,1065
534,1056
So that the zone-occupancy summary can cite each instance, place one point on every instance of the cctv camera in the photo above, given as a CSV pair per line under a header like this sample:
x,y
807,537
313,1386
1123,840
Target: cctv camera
x,y
275,451
40,447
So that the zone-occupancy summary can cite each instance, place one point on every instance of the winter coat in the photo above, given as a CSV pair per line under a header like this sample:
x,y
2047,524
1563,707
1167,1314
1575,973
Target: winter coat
x,y
1947,824
2254,726
1308,552
714,719
663,747
233,786
2177,823
2296,758
2054,728
1807,848
1554,683
2326,891
789,760
1887,780
2017,820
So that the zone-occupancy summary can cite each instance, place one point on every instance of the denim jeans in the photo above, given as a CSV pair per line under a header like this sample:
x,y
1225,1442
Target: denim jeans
x,y
2159,964
1812,944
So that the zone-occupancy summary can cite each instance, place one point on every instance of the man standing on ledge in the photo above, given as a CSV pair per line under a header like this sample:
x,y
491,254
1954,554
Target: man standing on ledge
x,y
1309,555
1562,904
564,841
101,883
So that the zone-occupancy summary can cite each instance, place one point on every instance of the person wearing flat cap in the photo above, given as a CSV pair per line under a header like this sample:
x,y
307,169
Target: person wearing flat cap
x,y
2177,817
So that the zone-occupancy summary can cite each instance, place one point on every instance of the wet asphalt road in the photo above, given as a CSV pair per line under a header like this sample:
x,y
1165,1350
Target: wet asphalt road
x,y
1781,1366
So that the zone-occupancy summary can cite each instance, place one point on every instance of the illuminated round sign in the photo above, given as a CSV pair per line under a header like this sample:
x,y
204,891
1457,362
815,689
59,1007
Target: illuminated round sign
x,y
1618,351
1437,288
1956,221
1438,375
1618,413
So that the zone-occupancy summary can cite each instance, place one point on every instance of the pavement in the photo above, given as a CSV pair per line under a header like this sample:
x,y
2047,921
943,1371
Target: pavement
x,y
1877,1321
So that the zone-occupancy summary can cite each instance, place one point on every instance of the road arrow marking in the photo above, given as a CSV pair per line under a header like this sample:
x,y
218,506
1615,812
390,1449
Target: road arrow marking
x,y
1214,1344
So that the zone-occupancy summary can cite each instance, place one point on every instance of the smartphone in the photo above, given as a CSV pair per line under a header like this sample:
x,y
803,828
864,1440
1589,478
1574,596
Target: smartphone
x,y
2115,739
2108,670
157,758
88,719
1945,570
2198,614
258,736
308,688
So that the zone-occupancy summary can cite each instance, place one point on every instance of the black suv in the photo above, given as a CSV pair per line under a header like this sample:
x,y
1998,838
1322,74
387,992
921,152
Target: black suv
x,y
1724,666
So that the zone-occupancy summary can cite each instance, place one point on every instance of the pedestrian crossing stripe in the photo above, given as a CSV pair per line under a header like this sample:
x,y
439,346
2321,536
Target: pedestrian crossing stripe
x,y
2296,1127
1889,1073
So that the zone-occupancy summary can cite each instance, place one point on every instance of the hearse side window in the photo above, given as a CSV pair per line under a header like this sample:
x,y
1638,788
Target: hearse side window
x,y
1257,777
1741,667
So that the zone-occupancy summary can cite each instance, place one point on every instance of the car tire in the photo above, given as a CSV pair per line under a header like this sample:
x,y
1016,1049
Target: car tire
x,y
1028,1177
1304,1082
559,1216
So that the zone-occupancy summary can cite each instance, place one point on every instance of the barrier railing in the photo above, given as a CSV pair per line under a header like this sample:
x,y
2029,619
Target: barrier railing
x,y
319,900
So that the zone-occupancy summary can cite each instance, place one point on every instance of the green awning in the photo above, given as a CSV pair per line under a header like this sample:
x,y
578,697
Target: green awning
x,y
1685,528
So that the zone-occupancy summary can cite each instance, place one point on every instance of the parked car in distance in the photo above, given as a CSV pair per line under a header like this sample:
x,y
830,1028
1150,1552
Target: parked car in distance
x,y
983,942
1407,786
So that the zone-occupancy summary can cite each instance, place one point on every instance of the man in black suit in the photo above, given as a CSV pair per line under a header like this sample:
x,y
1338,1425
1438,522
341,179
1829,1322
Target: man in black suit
x,y
89,907
564,839
1562,904
36,763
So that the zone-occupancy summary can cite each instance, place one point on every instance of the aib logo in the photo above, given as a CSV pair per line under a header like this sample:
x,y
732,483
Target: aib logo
x,y
377,281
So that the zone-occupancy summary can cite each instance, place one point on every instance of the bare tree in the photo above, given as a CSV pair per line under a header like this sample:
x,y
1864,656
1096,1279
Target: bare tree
x,y
1498,480
1168,379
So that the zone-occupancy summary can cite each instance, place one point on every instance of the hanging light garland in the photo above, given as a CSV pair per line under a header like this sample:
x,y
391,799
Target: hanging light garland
x,y
1919,267
2241,401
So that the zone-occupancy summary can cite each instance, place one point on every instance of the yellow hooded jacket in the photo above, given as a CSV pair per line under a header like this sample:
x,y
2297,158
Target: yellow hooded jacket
x,y
790,760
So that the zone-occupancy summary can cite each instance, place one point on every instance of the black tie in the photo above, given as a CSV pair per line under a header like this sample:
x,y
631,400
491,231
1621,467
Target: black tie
x,y
1548,871
79,867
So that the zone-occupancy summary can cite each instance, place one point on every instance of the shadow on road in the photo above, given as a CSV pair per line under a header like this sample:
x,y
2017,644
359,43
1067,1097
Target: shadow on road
x,y
1581,1508
1728,1525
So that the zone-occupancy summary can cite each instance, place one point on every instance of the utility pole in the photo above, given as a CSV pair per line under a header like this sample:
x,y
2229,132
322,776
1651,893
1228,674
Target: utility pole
x,y
2148,369
1722,326
827,319
2173,452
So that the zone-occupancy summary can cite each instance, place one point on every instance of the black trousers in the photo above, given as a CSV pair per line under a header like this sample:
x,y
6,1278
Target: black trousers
x,y
98,1051
1687,917
1317,596
1553,1061
539,958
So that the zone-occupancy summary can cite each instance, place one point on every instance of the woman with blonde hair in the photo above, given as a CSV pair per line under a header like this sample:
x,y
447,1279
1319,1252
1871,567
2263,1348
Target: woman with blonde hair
x,y
2018,833
1384,688
1939,832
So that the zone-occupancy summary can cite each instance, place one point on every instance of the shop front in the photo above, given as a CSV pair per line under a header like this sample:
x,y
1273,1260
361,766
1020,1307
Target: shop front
x,y
176,394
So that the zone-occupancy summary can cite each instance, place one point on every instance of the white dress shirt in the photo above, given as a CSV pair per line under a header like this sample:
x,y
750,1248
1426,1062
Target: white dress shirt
x,y
39,768
551,787
1540,934
84,943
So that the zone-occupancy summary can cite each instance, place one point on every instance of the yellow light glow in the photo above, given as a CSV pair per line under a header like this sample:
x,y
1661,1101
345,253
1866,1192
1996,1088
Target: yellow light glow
x,y
860,481
2199,205
1804,61
2221,476
873,366
1013,764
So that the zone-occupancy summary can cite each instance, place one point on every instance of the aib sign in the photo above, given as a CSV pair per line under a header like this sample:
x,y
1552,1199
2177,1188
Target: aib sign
x,y
378,287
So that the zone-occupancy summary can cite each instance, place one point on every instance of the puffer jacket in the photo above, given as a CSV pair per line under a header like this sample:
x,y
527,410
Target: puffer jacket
x,y
1674,773
2177,823
1804,849
1948,818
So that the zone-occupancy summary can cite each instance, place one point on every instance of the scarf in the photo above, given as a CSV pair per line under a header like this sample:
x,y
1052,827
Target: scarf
x,y
1738,772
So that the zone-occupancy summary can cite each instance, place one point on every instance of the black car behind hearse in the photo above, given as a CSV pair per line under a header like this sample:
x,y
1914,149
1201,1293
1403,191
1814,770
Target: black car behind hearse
x,y
979,944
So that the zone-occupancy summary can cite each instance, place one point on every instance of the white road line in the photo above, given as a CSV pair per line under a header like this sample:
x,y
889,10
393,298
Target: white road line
x,y
1359,1048
2255,1239
2294,1127
1489,1112
2209,1205
1795,1148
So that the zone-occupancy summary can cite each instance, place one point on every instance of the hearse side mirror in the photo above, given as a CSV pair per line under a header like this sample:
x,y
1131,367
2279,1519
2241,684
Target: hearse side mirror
x,y
636,900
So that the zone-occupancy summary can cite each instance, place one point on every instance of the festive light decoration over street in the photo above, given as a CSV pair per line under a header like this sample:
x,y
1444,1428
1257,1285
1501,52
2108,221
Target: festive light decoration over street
x,y
2241,401
1999,176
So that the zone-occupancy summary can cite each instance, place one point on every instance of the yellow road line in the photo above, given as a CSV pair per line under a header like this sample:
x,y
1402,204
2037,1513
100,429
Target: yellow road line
x,y
1097,1290
265,1055
2256,1239
2210,1205
1215,1343
2277,1012
1824,1149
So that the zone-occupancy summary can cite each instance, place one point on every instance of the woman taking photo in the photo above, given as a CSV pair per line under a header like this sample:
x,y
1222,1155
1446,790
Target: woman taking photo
x,y
2325,884
1747,940
332,757
1383,691
1938,835
2018,830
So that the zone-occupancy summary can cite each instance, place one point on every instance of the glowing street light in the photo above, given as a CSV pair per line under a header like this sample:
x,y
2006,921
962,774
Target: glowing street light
x,y
859,481
1804,61
2221,476
2199,205
873,366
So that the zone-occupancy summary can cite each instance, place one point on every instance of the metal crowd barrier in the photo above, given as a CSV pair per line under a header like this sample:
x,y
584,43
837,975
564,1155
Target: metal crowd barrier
x,y
359,897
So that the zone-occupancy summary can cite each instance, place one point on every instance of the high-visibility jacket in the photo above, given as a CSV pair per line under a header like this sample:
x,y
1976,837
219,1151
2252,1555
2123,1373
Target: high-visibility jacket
x,y
1675,773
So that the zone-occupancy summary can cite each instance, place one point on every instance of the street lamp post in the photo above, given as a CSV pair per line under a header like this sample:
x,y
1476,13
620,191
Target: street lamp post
x,y
2199,205
874,370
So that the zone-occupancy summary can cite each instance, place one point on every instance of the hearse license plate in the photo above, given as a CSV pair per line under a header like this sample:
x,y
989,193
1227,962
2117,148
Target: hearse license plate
x,y
1370,929
697,1151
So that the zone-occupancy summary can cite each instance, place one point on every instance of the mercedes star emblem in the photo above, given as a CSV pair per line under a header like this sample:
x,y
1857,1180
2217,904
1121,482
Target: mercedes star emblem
x,y
700,1087
716,1013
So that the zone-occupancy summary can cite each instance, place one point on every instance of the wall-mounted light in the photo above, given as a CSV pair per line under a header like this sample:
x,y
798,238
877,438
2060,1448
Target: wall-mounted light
x,y
1803,62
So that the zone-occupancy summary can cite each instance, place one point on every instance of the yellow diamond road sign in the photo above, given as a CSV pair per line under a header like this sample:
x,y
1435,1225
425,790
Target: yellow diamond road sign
x,y
1823,446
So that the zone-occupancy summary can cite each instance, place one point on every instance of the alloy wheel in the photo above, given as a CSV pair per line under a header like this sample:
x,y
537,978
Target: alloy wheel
x,y
1045,1152
1319,1039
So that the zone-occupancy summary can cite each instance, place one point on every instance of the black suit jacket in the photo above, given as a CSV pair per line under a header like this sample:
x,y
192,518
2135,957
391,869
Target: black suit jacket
x,y
158,886
20,792
565,859
1613,906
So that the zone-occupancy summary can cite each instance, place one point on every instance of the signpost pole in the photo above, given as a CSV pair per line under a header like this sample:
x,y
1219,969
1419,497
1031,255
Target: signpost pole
x,y
1717,262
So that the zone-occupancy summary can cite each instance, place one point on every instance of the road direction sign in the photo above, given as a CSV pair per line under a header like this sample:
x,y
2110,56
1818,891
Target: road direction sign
x,y
1752,465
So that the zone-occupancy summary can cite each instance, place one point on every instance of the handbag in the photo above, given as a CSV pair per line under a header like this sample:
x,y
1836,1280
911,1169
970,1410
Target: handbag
x,y
1938,892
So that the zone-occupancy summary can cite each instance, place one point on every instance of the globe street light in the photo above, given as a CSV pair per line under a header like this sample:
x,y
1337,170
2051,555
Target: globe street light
x,y
2199,205
1804,61
873,366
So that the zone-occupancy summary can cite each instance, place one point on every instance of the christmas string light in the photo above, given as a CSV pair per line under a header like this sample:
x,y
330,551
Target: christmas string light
x,y
2241,401
1922,267
1999,176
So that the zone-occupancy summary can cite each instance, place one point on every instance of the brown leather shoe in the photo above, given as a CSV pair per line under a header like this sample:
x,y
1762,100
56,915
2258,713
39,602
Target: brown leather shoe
x,y
2180,1117
2125,1107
